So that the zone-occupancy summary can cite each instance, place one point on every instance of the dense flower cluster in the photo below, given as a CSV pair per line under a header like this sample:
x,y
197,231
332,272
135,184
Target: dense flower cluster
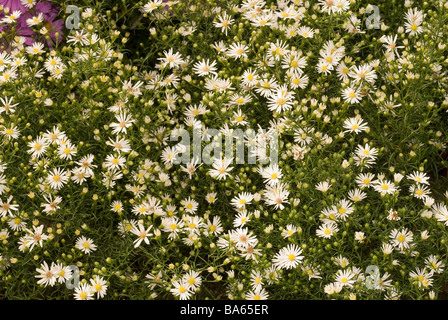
x,y
92,177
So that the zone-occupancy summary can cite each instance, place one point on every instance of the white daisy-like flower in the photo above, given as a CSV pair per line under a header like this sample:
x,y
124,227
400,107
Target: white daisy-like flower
x,y
98,286
7,207
327,230
182,289
141,233
57,178
86,245
345,277
224,22
242,200
276,195
221,168
12,16
384,186
401,239
204,67
171,59
151,6
46,274
84,292
288,257
355,125
237,50
351,95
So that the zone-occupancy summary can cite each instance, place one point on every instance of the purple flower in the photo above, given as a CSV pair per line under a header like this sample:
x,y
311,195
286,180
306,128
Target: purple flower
x,y
49,13
21,28
13,5
55,26
24,30
46,8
